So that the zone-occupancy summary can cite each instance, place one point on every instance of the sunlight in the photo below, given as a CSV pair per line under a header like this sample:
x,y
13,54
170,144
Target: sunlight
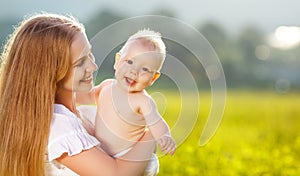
x,y
285,37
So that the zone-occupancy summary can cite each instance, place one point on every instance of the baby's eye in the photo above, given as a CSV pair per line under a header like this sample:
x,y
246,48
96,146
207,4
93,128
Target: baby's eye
x,y
129,62
145,69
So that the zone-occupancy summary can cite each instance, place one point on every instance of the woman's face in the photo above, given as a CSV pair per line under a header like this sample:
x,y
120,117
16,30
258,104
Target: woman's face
x,y
80,75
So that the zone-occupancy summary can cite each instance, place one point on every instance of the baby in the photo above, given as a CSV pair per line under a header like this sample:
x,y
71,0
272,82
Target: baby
x,y
124,109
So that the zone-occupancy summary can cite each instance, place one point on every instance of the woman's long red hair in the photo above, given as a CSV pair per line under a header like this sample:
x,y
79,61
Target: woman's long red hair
x,y
35,58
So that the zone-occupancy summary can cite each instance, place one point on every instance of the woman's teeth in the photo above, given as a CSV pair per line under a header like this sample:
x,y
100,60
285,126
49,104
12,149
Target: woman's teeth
x,y
87,78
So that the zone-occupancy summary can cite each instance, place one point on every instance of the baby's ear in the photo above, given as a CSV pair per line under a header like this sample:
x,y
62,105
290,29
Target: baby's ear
x,y
155,77
117,59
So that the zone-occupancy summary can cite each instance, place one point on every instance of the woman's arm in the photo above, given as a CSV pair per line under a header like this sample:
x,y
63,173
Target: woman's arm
x,y
95,162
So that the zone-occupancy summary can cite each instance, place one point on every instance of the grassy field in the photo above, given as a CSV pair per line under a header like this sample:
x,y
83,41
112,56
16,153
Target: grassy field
x,y
258,136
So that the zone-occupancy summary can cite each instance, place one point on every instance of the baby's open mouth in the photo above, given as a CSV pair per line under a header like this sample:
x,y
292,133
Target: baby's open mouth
x,y
130,81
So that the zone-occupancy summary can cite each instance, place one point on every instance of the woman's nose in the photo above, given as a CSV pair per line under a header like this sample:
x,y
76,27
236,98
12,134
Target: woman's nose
x,y
95,66
92,67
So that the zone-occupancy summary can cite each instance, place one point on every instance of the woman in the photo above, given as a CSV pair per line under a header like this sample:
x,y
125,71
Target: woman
x,y
44,63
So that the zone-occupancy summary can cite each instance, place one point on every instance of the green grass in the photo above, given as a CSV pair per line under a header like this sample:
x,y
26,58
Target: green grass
x,y
258,136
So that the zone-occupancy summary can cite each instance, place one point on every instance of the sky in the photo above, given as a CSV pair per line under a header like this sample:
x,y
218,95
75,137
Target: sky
x,y
233,15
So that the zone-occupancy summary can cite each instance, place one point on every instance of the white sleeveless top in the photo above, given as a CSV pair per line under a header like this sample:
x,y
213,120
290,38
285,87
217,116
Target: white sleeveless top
x,y
67,135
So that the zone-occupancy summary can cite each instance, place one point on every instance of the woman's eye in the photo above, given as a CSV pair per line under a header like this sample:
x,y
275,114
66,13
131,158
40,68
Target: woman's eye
x,y
80,63
129,62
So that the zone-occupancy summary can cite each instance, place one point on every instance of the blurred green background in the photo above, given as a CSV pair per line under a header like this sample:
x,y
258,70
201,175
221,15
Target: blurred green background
x,y
258,46
259,135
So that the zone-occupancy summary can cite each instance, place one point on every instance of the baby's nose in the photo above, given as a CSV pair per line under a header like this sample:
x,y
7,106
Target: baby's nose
x,y
134,71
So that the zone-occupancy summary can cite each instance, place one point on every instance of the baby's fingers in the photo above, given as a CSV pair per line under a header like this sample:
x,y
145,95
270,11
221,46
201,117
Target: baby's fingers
x,y
165,144
170,145
161,143
171,148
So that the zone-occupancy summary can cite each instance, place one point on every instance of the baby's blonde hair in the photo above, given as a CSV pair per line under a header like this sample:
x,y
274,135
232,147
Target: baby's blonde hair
x,y
148,38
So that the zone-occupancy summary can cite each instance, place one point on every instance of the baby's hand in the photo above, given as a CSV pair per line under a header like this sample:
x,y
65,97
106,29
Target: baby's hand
x,y
167,144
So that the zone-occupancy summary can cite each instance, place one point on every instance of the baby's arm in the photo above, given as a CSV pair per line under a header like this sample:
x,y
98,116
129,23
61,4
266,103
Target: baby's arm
x,y
165,141
157,126
91,96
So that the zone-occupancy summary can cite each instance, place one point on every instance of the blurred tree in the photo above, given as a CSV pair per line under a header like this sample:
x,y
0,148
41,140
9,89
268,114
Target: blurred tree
x,y
101,20
189,60
251,68
237,55
247,42
225,49
215,35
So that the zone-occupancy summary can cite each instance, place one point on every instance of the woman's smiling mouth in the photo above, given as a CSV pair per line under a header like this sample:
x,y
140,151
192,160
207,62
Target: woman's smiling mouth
x,y
87,79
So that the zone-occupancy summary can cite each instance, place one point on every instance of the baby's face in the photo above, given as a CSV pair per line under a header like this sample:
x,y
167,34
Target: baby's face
x,y
137,67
